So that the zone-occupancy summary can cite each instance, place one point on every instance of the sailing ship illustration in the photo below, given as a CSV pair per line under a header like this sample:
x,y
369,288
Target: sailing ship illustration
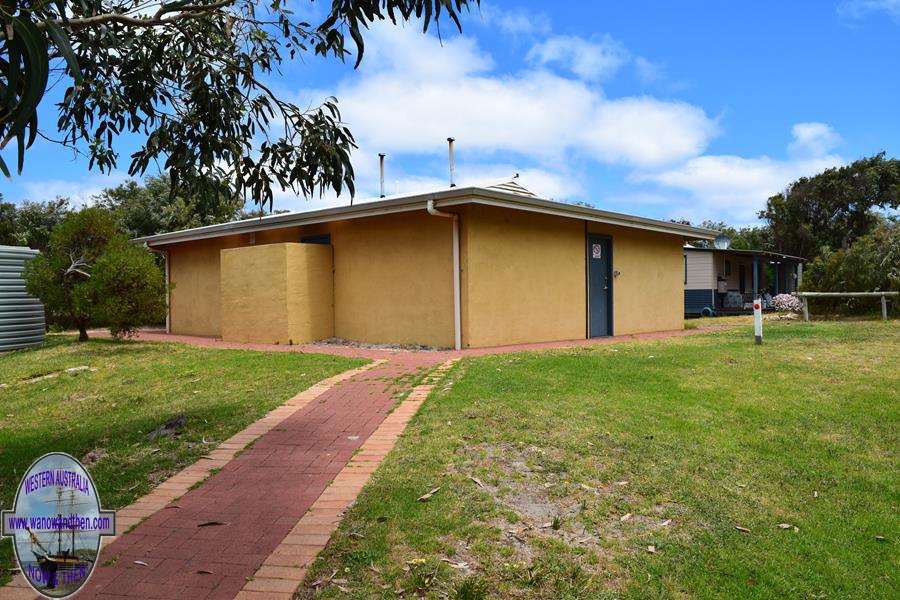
x,y
66,566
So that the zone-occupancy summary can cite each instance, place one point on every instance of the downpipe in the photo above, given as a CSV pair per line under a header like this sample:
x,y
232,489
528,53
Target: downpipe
x,y
457,314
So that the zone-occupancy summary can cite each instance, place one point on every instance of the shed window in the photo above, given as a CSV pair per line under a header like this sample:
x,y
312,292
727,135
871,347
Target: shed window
x,y
325,238
727,268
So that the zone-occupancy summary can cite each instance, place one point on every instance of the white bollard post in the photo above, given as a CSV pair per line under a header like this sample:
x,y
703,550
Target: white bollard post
x,y
757,320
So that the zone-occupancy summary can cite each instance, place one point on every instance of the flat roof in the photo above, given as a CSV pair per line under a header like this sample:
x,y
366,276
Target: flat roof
x,y
746,252
505,195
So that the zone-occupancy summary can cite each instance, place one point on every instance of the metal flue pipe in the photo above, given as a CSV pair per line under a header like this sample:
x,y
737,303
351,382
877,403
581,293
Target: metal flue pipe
x,y
381,166
450,141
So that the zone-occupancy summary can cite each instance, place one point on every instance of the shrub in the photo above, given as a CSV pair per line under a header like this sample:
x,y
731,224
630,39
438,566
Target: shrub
x,y
129,288
90,273
871,264
787,303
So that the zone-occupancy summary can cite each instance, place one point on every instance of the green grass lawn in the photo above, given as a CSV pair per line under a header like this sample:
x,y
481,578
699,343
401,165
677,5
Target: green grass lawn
x,y
136,387
627,471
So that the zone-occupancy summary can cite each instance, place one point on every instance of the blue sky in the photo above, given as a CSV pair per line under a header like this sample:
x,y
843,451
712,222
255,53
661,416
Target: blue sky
x,y
690,109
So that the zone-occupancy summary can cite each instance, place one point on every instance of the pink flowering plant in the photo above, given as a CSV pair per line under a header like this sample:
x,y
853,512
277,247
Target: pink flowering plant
x,y
787,303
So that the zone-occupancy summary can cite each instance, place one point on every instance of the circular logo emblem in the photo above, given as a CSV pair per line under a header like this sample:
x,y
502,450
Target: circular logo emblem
x,y
56,524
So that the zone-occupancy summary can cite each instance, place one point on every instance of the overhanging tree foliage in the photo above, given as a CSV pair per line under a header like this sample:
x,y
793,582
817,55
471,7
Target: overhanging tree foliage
x,y
189,77
832,209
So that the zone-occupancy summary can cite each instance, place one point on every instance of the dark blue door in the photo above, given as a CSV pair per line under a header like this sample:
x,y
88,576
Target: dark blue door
x,y
599,258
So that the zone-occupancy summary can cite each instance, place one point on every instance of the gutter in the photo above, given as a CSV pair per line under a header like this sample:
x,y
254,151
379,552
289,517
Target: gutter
x,y
457,309
449,197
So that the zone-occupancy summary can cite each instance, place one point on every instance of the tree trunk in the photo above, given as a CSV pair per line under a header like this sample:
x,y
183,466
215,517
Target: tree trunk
x,y
82,333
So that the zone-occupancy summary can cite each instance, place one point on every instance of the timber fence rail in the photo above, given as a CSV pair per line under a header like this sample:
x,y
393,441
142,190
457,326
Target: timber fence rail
x,y
884,296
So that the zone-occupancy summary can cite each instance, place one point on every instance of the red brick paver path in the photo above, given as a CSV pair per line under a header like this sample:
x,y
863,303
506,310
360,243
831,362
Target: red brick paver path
x,y
283,571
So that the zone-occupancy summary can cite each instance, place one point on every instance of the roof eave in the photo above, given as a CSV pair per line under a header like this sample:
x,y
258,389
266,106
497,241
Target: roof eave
x,y
447,198
516,201
742,251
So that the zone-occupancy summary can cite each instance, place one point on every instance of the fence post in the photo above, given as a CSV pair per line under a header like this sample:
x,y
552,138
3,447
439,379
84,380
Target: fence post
x,y
757,320
884,307
805,308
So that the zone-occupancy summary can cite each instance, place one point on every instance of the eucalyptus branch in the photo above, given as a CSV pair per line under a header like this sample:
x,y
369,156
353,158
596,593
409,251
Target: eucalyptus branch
x,y
158,19
189,76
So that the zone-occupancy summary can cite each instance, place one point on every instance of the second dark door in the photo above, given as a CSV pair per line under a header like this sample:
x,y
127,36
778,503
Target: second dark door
x,y
600,281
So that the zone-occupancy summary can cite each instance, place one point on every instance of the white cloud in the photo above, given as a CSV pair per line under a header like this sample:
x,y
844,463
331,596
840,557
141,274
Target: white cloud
x,y
858,9
412,94
405,49
595,61
516,21
736,188
647,71
813,139
645,131
589,60
80,192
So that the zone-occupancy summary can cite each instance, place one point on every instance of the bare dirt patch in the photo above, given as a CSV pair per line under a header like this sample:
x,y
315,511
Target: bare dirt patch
x,y
545,504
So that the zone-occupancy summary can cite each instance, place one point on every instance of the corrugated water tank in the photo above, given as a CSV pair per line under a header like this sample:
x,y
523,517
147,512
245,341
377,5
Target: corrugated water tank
x,y
21,316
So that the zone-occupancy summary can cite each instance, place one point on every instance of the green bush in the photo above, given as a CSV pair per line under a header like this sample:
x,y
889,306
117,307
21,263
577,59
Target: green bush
x,y
129,289
91,274
871,264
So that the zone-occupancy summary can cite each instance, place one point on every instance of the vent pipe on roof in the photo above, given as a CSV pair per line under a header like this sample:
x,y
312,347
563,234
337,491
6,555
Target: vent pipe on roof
x,y
381,164
450,141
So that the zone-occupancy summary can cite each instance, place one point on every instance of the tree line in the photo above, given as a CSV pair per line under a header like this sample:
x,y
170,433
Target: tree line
x,y
89,273
139,209
843,221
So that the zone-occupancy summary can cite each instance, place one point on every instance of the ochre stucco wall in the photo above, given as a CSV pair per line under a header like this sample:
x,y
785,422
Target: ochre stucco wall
x,y
393,279
523,277
253,289
276,293
648,293
194,302
310,298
